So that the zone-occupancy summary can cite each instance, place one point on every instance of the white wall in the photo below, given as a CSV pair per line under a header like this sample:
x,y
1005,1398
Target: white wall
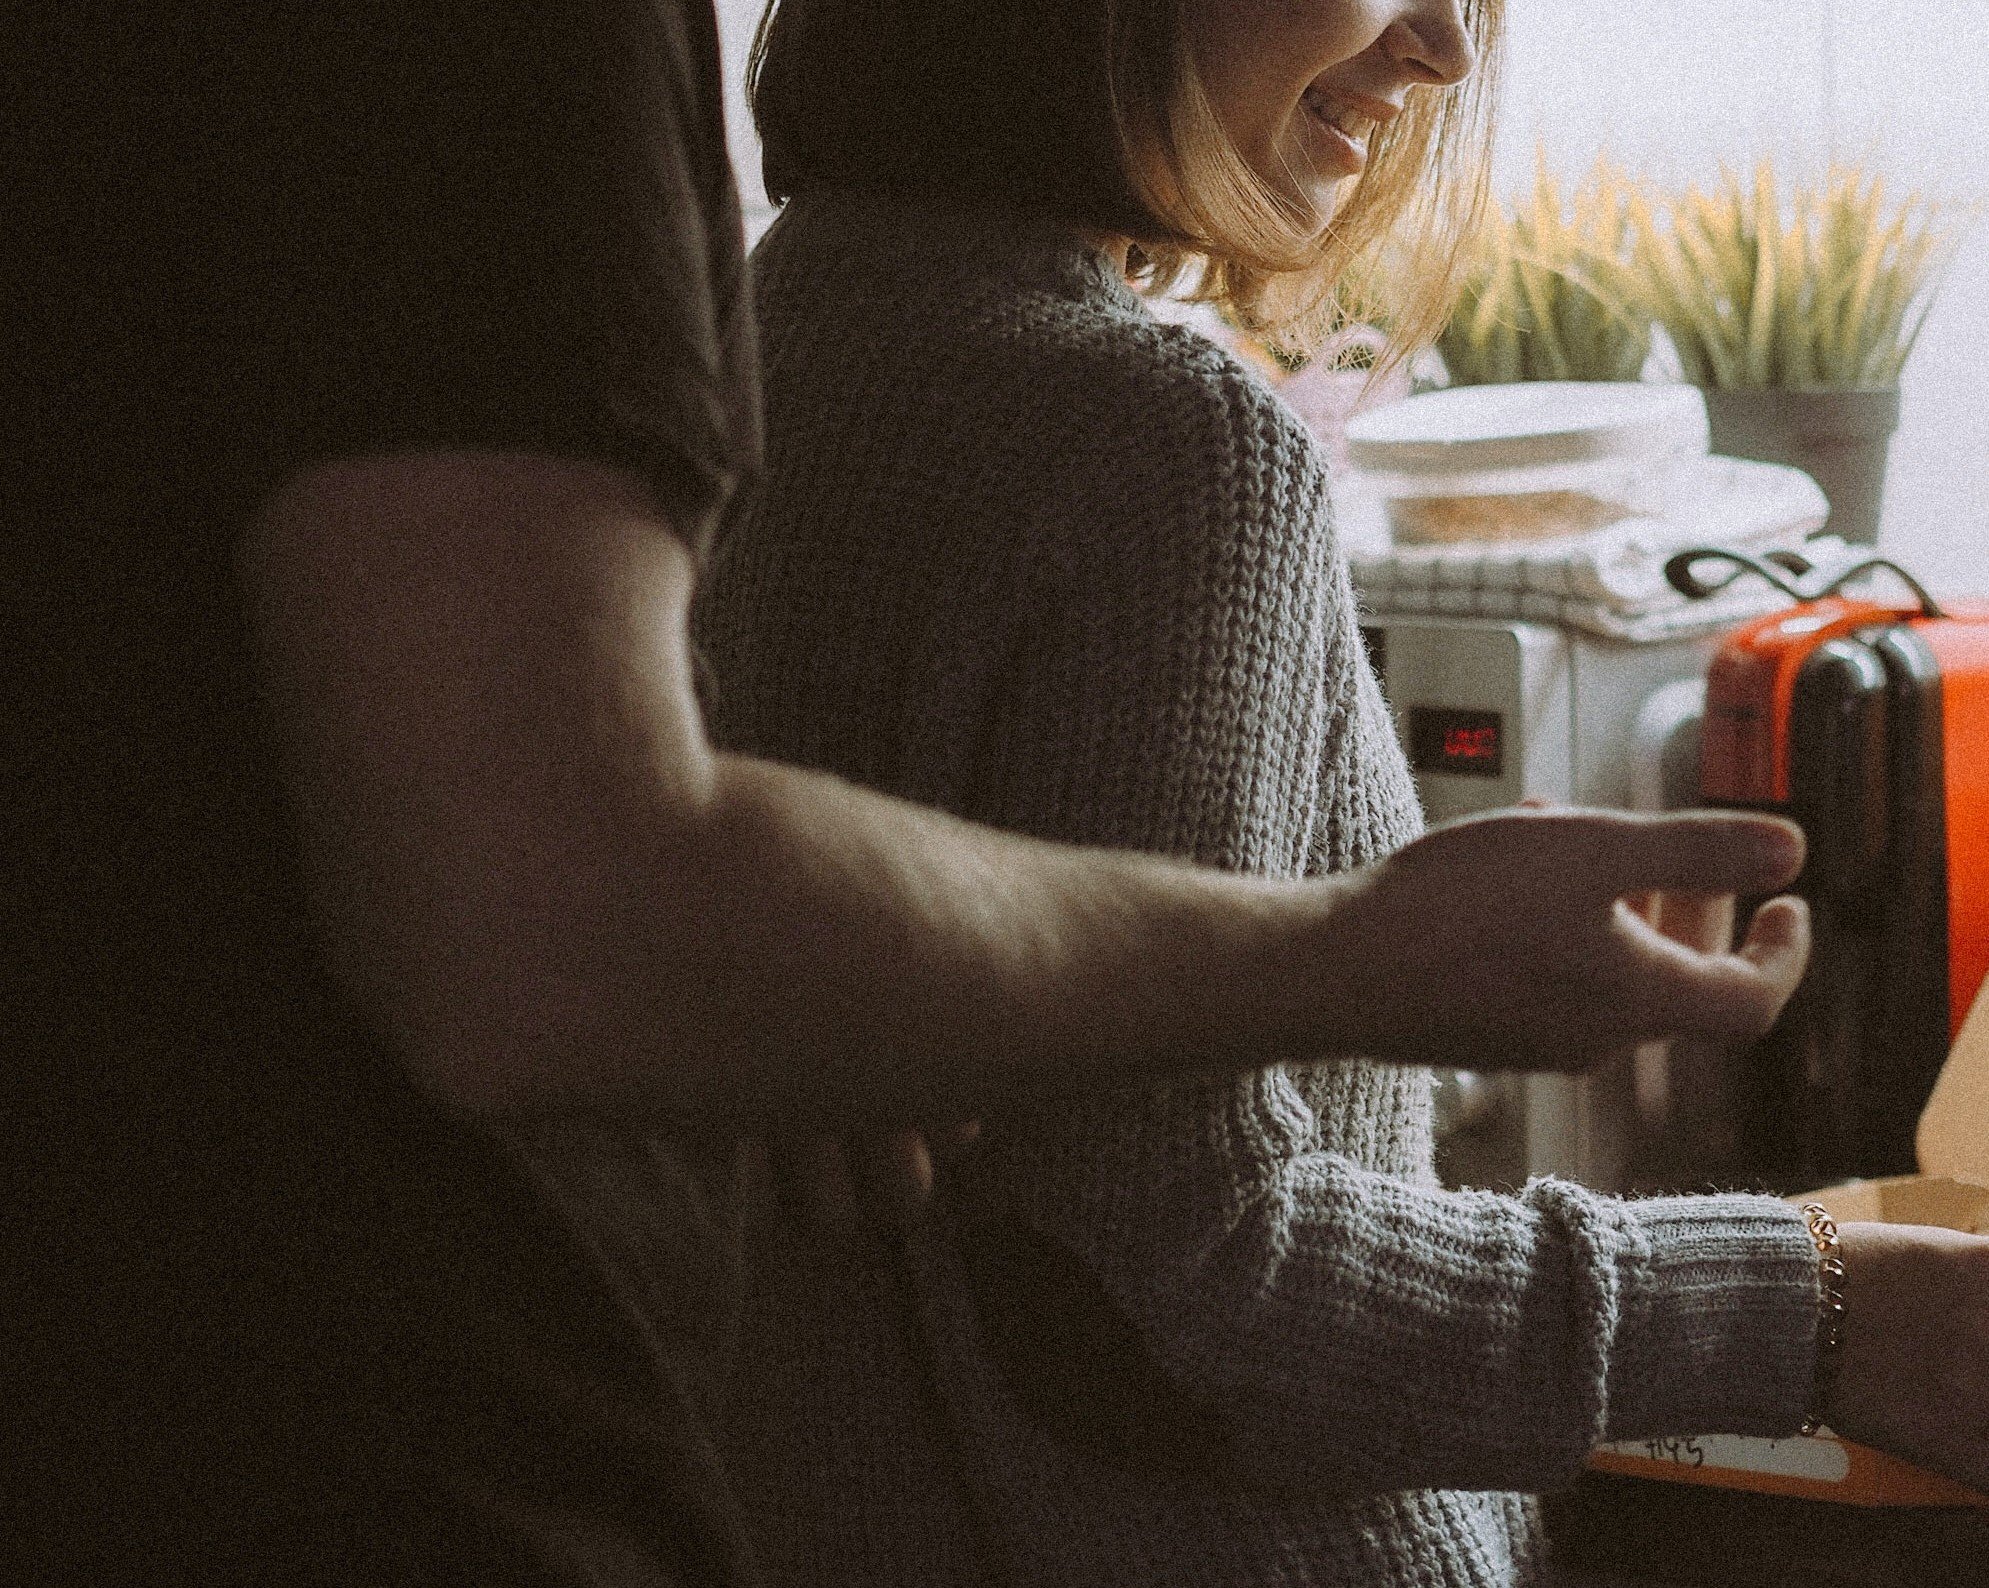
x,y
1675,86
736,21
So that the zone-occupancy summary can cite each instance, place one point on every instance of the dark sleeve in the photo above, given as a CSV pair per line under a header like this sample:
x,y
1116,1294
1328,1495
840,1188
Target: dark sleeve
x,y
439,225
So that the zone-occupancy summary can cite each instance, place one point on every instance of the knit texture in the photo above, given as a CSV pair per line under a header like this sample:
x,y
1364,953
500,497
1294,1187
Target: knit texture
x,y
1029,555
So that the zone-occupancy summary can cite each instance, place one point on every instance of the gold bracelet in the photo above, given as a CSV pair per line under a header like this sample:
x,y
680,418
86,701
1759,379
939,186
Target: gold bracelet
x,y
1830,1310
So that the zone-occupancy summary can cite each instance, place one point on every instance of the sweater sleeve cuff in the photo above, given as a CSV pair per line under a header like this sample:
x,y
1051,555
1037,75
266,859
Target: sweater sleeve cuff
x,y
1719,1319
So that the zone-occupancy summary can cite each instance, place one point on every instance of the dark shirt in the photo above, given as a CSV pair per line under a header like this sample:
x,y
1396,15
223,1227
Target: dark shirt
x,y
289,1323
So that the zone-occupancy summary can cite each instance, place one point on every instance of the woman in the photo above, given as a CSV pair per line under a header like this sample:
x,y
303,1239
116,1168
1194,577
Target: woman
x,y
1029,555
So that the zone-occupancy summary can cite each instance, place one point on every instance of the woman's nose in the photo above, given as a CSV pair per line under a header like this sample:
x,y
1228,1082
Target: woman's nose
x,y
1431,42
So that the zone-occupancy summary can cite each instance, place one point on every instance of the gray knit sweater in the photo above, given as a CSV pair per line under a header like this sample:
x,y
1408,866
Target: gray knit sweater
x,y
1029,555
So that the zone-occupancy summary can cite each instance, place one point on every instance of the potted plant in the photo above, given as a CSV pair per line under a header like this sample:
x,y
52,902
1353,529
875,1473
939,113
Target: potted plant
x,y
1548,292
1796,314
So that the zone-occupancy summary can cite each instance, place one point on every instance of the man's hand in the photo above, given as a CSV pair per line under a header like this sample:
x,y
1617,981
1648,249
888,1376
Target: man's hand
x,y
837,1185
1515,941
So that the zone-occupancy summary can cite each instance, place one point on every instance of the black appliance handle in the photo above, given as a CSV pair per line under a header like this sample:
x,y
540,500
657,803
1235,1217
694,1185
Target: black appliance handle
x,y
1786,571
1929,607
1782,569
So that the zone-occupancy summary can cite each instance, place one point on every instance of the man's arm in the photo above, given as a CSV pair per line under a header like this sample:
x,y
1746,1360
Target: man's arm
x,y
536,871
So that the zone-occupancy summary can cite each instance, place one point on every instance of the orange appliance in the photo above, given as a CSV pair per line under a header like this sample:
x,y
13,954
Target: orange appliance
x,y
1868,724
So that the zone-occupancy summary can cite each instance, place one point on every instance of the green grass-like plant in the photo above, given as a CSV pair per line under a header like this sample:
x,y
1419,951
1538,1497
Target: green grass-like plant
x,y
1827,287
1547,293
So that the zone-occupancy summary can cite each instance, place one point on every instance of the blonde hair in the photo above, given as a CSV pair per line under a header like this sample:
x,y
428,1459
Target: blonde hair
x,y
1389,255
1094,111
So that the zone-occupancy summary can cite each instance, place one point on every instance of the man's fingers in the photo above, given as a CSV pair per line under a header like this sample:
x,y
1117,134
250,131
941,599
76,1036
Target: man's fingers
x,y
1693,852
1777,942
1698,920
1617,853
1731,997
1719,995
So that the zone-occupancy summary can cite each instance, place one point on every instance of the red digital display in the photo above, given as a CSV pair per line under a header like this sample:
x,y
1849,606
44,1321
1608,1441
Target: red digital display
x,y
1464,743
1471,744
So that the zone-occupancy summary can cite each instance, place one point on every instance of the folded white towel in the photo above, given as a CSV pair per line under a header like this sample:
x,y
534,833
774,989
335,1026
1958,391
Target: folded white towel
x,y
1610,581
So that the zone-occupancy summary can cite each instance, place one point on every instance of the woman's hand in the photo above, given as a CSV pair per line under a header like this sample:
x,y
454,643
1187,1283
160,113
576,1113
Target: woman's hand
x,y
1514,941
1914,1377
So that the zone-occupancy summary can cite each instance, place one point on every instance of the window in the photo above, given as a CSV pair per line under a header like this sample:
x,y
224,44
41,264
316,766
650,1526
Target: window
x,y
1673,89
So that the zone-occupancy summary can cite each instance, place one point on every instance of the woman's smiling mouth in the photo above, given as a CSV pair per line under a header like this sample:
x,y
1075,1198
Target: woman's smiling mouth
x,y
1344,130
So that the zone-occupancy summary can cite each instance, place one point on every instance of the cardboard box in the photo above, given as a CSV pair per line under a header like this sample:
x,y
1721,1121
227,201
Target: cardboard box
x,y
1952,1191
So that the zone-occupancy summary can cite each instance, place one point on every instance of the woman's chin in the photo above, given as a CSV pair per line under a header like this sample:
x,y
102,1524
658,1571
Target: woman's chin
x,y
1324,202
1314,198
1313,207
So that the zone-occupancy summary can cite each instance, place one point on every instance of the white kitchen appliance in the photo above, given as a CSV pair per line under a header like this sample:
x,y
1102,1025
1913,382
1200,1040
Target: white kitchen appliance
x,y
1567,671
1495,712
